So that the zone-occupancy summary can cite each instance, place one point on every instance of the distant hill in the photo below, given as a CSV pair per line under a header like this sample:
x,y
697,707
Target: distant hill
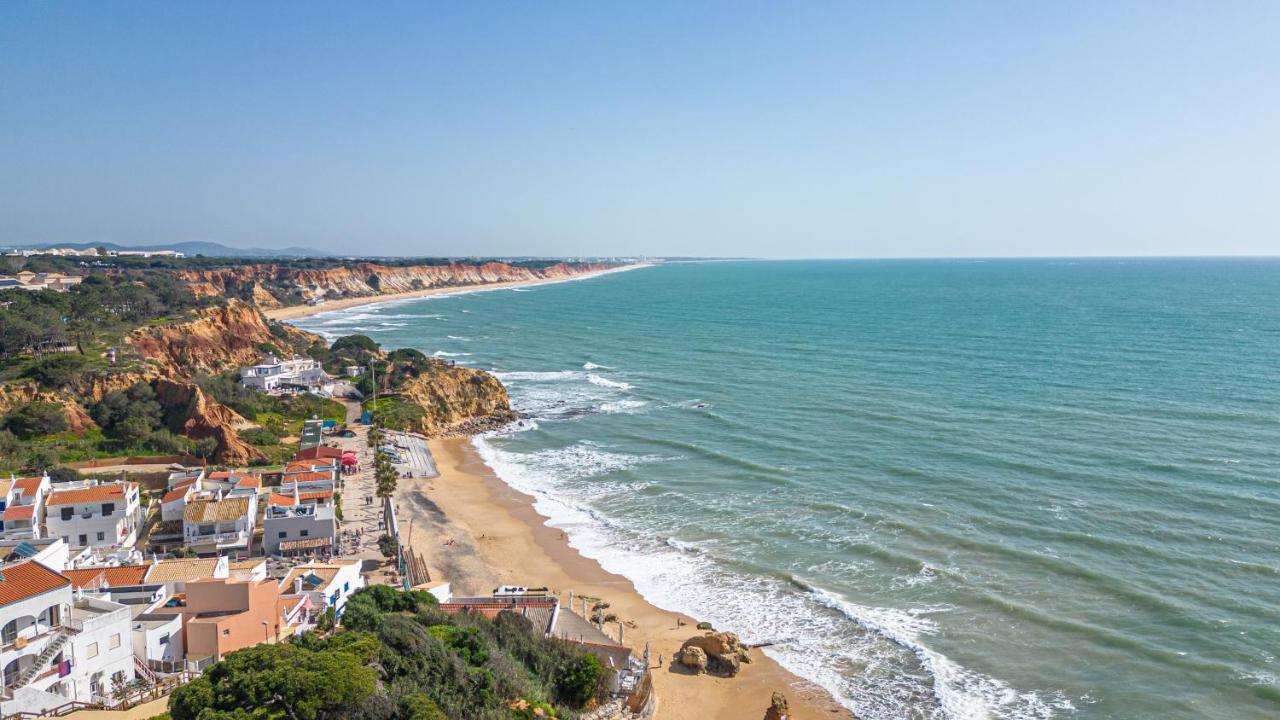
x,y
208,249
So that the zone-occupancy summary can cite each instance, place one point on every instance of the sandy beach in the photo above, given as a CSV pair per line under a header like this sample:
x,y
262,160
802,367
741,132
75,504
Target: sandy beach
x,y
294,312
498,538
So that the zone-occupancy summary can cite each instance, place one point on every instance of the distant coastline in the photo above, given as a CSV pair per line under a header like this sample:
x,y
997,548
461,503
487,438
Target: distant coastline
x,y
293,312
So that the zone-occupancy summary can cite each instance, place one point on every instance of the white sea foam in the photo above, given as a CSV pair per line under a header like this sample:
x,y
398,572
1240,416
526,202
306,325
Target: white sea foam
x,y
869,658
458,337
595,379
594,366
443,353
623,406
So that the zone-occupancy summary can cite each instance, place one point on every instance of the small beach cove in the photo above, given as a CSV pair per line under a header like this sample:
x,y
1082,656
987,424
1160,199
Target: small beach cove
x,y
498,538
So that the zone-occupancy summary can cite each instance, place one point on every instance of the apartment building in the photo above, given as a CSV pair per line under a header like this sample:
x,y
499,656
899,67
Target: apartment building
x,y
56,648
104,515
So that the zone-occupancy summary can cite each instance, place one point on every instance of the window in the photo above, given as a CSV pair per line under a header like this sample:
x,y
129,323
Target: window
x,y
91,651
101,536
283,534
113,642
306,533
226,632
108,508
164,639
84,539
67,512
346,587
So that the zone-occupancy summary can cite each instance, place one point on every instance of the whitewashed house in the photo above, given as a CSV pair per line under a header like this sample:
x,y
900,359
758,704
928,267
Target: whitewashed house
x,y
95,515
274,375
57,648
222,524
327,584
23,508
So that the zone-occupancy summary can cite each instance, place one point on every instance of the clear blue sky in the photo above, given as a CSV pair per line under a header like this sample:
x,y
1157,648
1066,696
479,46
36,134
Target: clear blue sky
x,y
765,129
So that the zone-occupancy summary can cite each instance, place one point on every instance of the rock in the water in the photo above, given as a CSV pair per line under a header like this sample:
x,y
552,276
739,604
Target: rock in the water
x,y
723,651
693,657
778,709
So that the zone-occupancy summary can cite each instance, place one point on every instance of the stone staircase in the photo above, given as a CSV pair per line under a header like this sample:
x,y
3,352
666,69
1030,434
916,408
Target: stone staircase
x,y
56,643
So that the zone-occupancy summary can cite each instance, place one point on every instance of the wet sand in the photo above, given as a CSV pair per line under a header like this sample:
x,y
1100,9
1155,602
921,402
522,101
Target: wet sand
x,y
294,312
499,539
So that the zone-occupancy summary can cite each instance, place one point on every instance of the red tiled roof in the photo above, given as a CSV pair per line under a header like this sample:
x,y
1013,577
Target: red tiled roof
x,y
96,493
185,483
250,481
175,494
316,453
114,576
20,512
308,477
27,485
27,580
287,499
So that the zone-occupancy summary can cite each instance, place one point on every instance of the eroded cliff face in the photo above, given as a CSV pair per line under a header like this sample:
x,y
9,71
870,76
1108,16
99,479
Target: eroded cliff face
x,y
267,285
220,338
196,415
458,401
14,395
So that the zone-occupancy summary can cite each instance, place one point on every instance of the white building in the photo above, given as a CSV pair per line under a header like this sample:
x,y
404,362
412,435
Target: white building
x,y
157,641
274,374
220,524
23,507
95,515
328,584
58,648
299,529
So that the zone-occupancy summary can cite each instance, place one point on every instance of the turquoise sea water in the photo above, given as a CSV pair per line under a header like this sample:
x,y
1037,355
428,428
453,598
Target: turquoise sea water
x,y
944,489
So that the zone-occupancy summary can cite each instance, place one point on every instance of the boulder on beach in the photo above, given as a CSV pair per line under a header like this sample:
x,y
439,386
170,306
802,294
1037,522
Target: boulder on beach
x,y
778,709
694,659
719,653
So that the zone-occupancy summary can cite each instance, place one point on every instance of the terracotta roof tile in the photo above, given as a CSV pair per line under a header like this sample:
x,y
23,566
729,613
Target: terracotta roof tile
x,y
114,576
175,494
307,477
27,580
27,485
286,499
182,569
20,512
96,493
205,511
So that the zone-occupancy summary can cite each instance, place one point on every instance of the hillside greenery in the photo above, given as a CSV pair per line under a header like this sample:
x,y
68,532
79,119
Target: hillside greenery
x,y
398,657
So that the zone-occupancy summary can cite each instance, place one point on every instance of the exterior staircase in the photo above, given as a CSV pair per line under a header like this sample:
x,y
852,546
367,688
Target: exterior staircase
x,y
144,672
56,643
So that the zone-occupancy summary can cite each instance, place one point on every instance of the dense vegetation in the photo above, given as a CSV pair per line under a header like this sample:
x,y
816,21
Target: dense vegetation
x,y
399,658
90,316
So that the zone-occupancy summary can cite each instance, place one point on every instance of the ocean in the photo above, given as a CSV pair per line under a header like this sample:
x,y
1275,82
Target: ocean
x,y
941,489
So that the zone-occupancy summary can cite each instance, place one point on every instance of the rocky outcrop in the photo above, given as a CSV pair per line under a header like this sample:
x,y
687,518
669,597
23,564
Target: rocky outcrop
x,y
694,658
196,415
12,396
718,653
778,709
269,284
457,400
219,338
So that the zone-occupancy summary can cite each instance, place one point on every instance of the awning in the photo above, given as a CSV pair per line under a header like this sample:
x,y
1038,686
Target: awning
x,y
308,544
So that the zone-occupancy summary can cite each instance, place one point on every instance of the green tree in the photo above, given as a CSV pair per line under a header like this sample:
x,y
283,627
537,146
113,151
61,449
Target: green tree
x,y
577,679
35,419
56,371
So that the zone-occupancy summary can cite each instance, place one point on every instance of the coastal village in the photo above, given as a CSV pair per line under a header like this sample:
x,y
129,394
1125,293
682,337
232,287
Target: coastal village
x,y
124,579
114,592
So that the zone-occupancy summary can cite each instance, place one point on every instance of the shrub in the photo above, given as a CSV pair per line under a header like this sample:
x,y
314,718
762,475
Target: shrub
x,y
56,371
37,418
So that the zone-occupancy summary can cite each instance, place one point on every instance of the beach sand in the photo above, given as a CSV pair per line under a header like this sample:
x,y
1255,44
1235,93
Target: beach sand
x,y
498,538
294,312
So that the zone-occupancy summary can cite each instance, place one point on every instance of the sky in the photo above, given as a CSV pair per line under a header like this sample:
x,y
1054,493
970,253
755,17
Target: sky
x,y
784,129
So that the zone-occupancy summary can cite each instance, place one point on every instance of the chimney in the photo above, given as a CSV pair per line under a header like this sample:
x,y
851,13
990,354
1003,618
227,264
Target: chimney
x,y
297,585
